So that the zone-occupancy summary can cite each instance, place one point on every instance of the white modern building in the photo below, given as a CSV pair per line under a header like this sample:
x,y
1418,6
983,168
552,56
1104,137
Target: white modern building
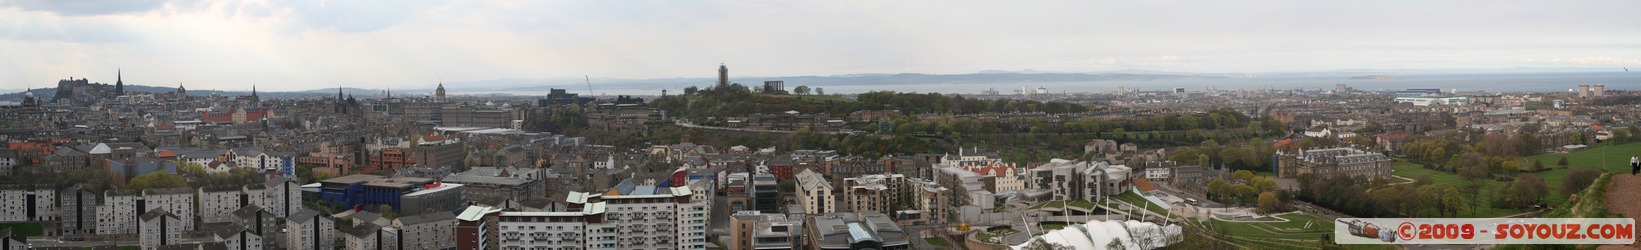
x,y
118,213
309,230
28,203
218,203
238,238
629,216
160,228
815,193
177,201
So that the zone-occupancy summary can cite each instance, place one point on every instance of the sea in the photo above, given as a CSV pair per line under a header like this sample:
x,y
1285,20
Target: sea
x,y
1489,82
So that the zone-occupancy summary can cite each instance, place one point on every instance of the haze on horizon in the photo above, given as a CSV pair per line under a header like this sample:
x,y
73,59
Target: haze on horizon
x,y
312,44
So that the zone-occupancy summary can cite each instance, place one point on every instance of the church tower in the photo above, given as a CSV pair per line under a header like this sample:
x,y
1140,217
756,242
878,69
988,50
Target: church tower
x,y
723,75
181,90
440,92
119,83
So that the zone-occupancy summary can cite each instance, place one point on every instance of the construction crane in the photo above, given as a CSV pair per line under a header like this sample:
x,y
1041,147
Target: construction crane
x,y
589,84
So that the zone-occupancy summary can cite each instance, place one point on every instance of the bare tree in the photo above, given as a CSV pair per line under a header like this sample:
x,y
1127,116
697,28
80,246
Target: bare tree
x,y
1039,244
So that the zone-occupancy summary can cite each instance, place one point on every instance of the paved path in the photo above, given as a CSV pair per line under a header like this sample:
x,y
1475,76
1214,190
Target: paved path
x,y
1622,196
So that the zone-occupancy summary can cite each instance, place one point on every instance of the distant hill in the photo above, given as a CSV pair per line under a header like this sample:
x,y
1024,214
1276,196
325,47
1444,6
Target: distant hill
x,y
1375,77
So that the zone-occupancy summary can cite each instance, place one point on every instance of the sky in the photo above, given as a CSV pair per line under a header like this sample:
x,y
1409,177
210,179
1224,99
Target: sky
x,y
313,44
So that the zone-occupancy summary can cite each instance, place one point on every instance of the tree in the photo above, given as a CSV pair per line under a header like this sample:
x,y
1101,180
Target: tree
x,y
1262,184
1039,244
1526,191
157,179
820,91
387,211
1538,165
1185,156
1578,180
1562,162
1268,202
1244,175
801,90
690,90
1451,199
1218,187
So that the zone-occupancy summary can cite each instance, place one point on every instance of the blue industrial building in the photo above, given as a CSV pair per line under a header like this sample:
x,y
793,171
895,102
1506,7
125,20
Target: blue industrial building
x,y
369,192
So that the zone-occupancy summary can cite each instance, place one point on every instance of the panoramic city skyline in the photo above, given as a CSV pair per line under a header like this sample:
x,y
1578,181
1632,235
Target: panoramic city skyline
x,y
306,45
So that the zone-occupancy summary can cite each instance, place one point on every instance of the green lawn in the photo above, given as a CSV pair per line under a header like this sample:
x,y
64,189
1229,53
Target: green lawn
x,y
1059,204
1617,160
1050,226
1491,188
23,228
1294,228
1291,234
938,241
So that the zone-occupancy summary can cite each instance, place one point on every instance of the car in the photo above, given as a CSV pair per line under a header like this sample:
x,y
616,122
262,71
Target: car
x,y
1191,201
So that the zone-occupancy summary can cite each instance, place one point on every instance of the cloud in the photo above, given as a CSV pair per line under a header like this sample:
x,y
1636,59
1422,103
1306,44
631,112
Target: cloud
x,y
35,26
87,7
1163,62
1586,60
353,16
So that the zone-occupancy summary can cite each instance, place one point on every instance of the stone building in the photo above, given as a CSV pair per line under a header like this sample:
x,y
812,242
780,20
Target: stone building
x,y
1323,163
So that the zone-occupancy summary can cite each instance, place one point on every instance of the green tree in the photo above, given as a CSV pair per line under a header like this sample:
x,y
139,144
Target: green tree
x,y
1218,187
1268,202
387,212
157,179
1244,175
820,91
1185,156
1562,162
801,90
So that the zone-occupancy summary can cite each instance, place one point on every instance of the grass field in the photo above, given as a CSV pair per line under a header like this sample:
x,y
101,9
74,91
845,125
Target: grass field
x,y
1491,188
1278,235
1059,204
23,228
1617,160
938,241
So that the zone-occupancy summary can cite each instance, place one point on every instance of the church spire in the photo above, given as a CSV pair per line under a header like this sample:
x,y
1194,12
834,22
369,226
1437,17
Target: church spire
x,y
119,82
253,90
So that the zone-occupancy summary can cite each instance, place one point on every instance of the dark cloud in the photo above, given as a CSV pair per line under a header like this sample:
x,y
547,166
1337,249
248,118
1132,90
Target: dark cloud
x,y
85,8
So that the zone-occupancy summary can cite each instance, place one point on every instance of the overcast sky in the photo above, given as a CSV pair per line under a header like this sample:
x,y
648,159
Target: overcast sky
x,y
300,45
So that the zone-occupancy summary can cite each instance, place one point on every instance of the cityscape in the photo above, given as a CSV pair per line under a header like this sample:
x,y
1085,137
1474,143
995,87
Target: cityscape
x,y
1160,152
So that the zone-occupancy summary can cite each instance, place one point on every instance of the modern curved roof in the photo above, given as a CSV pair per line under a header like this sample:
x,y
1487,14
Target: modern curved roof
x,y
1099,234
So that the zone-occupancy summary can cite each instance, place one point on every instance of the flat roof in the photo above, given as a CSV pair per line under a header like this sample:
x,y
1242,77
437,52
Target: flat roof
x,y
440,188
